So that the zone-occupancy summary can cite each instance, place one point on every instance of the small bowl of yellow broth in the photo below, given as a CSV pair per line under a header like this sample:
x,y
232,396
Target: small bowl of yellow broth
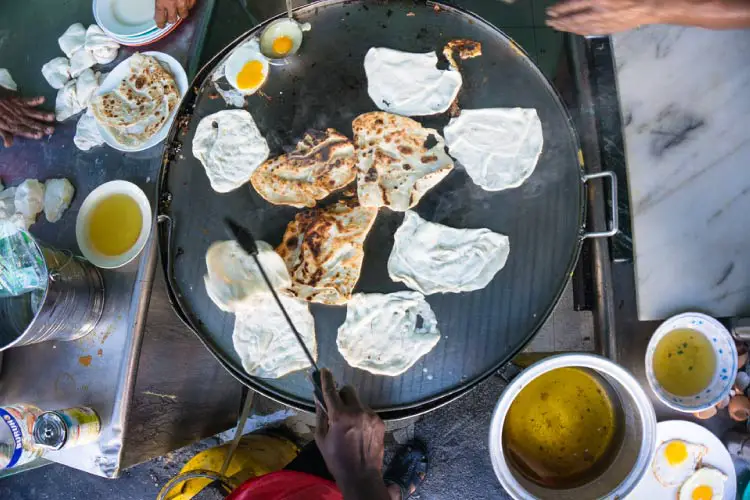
x,y
691,362
113,224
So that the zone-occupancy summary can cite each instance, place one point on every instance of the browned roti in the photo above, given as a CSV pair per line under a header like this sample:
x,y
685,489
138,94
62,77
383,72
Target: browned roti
x,y
322,162
323,249
398,160
140,105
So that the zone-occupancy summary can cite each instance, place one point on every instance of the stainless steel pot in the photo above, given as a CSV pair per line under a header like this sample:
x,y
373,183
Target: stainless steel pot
x,y
636,444
68,308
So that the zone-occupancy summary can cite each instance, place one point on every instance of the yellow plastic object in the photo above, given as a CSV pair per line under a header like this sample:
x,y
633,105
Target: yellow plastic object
x,y
256,454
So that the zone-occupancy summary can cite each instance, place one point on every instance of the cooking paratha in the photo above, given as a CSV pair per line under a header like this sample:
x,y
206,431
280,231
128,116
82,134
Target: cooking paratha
x,y
398,160
322,162
323,249
140,105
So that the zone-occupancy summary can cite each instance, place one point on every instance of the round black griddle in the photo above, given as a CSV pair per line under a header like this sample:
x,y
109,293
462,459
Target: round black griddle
x,y
325,86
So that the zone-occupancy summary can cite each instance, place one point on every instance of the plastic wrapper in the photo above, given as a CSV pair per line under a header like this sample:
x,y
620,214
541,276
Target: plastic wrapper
x,y
22,266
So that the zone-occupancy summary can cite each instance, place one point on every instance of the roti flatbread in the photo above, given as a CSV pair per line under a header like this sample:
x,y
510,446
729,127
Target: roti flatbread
x,y
498,147
322,162
230,147
398,160
140,105
264,342
387,333
323,249
233,278
409,84
433,258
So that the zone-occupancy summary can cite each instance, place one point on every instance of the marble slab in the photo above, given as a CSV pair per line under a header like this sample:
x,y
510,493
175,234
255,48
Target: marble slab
x,y
685,100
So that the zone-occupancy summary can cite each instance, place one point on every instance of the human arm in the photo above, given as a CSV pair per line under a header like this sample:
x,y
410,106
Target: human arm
x,y
603,17
350,438
21,117
167,11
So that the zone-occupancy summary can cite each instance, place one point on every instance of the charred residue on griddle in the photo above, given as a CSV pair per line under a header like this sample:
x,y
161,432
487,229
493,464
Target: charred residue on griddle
x,y
430,142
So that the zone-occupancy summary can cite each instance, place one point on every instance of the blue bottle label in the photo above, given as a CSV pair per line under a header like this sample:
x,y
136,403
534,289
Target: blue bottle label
x,y
17,433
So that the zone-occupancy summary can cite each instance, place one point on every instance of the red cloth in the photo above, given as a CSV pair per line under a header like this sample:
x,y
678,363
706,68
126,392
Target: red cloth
x,y
287,485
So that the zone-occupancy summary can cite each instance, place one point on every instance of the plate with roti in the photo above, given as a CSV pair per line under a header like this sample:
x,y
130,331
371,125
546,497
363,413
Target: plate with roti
x,y
136,103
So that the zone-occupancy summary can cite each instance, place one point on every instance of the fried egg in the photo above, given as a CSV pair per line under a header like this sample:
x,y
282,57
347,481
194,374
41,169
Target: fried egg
x,y
247,68
676,460
282,38
704,484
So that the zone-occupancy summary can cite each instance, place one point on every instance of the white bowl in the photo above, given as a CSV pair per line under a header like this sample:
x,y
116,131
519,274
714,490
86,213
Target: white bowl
x,y
726,362
125,18
121,72
104,191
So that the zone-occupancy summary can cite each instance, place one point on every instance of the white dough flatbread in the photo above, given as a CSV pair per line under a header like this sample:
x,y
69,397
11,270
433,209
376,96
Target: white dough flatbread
x,y
433,258
233,278
264,342
409,84
498,147
230,147
398,160
386,334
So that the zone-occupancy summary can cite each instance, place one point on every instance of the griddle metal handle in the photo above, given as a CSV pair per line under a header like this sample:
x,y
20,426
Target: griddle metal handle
x,y
613,224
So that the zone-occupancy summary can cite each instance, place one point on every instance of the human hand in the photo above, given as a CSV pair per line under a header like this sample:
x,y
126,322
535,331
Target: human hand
x,y
19,116
167,11
350,438
601,17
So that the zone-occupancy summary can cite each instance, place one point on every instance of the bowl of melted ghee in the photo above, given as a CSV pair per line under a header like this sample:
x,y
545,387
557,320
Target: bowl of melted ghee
x,y
691,362
113,224
572,426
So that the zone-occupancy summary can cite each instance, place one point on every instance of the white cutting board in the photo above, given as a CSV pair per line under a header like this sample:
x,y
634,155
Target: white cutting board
x,y
686,116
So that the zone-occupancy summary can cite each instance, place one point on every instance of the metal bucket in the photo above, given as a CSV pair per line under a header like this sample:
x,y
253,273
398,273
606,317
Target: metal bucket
x,y
67,309
636,442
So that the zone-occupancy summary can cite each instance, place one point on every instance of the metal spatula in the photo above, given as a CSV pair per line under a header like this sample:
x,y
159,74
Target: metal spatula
x,y
247,242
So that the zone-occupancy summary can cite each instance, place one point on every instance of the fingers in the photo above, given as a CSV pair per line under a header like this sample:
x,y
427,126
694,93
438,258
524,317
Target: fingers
x,y
160,16
587,23
321,426
330,394
191,4
171,13
33,101
28,133
41,116
7,138
182,8
568,7
349,397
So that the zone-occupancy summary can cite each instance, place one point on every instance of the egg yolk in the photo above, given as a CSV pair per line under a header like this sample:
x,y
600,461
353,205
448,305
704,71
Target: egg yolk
x,y
703,493
676,453
251,75
282,45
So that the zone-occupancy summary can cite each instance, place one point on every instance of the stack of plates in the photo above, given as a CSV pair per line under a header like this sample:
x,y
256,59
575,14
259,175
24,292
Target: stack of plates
x,y
130,22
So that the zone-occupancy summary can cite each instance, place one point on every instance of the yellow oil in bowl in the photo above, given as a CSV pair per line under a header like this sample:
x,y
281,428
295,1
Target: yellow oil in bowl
x,y
114,225
684,362
560,430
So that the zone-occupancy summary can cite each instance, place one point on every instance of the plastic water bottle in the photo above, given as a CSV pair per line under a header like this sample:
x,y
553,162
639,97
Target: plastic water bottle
x,y
17,445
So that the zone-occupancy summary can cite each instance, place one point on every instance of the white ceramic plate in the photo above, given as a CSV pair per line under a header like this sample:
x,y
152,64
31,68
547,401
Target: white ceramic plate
x,y
125,18
120,73
105,190
717,457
